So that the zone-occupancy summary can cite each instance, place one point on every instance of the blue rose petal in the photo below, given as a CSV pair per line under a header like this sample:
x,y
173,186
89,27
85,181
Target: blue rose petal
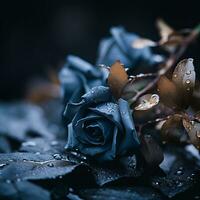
x,y
119,47
130,139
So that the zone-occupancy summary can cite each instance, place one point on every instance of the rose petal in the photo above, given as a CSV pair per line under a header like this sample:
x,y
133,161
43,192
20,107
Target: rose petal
x,y
84,67
130,140
118,47
110,111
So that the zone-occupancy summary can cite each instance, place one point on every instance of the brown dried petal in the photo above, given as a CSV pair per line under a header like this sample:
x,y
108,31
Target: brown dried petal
x,y
164,29
184,76
168,92
193,130
117,79
172,130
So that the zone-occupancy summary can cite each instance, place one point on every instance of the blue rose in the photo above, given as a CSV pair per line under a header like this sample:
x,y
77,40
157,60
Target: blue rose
x,y
78,76
101,127
119,47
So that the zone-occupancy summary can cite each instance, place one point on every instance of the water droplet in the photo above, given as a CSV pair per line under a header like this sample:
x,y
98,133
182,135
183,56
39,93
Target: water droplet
x,y
181,168
198,134
74,153
50,165
179,184
2,165
156,183
29,143
84,157
187,81
54,143
123,113
57,156
188,72
8,181
179,172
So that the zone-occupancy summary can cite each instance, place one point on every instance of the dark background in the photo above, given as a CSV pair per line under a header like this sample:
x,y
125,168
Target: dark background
x,y
37,35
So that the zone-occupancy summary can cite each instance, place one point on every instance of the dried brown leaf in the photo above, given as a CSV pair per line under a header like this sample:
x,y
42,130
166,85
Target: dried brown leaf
x,y
168,92
117,79
164,29
172,130
184,79
193,130
142,43
184,75
147,102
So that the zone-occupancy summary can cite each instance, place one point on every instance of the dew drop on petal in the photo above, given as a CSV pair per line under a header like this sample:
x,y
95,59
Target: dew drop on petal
x,y
50,165
187,81
2,165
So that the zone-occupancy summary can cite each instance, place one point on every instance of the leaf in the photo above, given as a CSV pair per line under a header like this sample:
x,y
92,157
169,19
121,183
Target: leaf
x,y
151,151
117,79
193,130
125,193
147,102
114,172
172,130
168,92
164,29
29,166
22,190
142,43
43,146
184,77
21,121
182,176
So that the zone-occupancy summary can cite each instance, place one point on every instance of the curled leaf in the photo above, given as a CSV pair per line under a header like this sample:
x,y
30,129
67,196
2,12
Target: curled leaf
x,y
168,92
117,78
193,130
164,29
147,102
142,43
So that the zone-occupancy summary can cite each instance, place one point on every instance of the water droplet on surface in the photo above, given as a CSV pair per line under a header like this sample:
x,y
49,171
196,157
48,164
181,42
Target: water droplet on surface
x,y
179,172
2,165
50,165
187,81
57,156
188,72
8,181
156,183
54,143
29,143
